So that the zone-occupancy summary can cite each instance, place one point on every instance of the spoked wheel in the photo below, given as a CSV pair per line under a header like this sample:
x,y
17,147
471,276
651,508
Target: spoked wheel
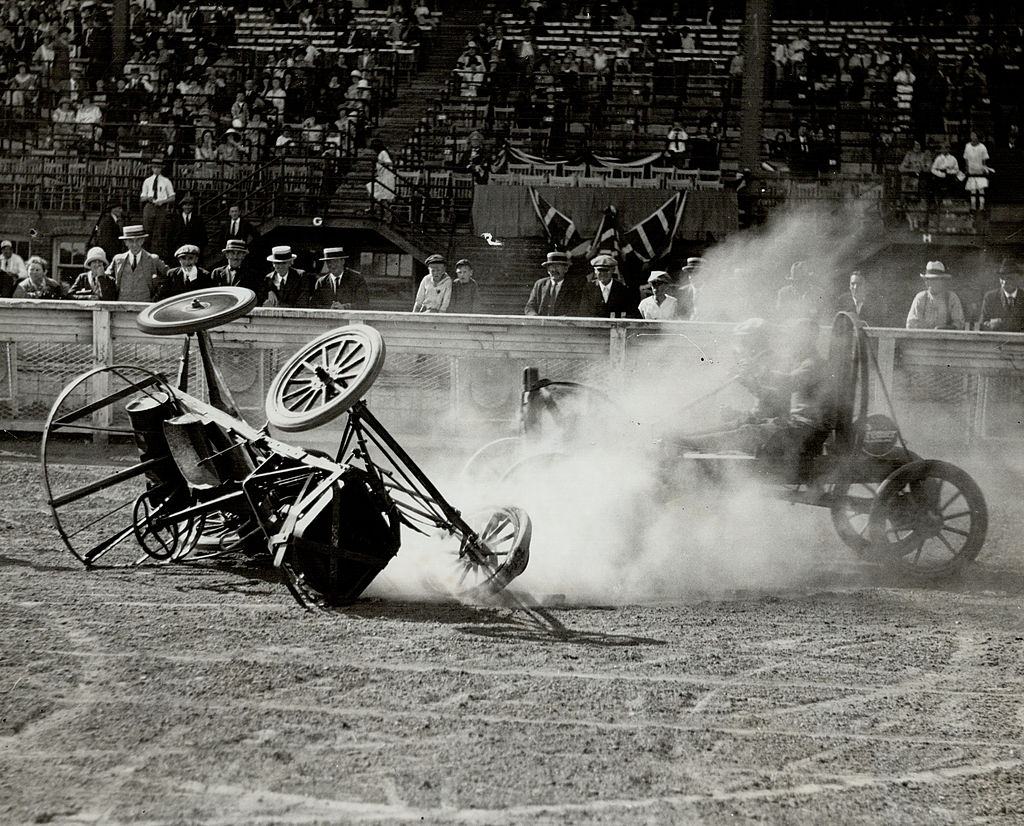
x,y
851,508
325,378
491,462
929,519
533,467
100,513
497,554
164,540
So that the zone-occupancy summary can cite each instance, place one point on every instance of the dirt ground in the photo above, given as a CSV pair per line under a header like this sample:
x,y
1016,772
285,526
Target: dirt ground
x,y
202,694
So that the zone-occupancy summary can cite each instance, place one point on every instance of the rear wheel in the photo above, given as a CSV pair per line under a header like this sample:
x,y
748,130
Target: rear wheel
x,y
101,513
929,520
490,463
851,508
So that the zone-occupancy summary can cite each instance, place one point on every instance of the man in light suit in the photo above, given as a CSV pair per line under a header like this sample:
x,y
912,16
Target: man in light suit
x,y
136,271
1002,310
555,294
613,299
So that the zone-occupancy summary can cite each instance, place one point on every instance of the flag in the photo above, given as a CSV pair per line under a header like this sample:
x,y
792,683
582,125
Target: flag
x,y
559,227
652,237
606,239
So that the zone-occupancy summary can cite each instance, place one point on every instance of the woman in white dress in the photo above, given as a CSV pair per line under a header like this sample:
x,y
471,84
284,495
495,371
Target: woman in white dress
x,y
382,187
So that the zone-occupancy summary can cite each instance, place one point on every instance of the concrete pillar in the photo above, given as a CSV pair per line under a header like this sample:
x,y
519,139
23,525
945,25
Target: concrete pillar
x,y
757,50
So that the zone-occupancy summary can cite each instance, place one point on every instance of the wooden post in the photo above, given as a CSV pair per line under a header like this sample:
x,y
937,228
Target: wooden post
x,y
102,356
887,367
617,352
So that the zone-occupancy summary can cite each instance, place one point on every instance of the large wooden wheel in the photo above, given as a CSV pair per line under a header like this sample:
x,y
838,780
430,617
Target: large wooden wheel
x,y
101,515
325,378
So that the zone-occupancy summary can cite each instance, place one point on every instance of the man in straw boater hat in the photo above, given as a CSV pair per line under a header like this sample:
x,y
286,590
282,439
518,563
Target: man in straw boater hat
x,y
285,285
232,274
184,278
339,288
557,294
936,307
135,271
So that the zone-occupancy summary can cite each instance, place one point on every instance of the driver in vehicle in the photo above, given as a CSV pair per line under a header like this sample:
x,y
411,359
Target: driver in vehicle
x,y
801,386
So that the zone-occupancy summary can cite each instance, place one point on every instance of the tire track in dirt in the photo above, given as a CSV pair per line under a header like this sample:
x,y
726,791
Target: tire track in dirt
x,y
462,718
868,691
251,805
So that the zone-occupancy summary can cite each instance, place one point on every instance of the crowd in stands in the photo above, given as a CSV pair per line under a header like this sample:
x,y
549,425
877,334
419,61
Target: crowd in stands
x,y
186,91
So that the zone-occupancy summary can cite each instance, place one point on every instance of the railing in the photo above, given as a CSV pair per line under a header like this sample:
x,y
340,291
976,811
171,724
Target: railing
x,y
947,387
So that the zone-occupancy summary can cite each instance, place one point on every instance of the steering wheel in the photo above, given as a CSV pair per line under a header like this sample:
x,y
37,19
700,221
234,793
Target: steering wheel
x,y
196,311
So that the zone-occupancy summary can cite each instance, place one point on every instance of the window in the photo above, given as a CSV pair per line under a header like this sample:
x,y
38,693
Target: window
x,y
68,260
377,265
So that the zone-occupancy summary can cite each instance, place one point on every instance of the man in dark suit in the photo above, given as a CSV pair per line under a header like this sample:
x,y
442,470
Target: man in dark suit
x,y
233,273
236,228
339,288
613,299
107,233
557,295
187,227
185,278
1002,310
858,302
285,285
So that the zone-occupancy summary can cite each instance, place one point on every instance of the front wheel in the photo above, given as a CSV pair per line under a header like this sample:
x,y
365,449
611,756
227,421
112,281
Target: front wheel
x,y
496,552
929,519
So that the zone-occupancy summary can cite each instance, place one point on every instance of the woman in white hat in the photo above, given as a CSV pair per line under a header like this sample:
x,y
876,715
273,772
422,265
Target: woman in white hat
x,y
936,307
94,284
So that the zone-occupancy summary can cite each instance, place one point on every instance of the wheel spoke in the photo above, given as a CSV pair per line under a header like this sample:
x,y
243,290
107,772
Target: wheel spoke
x,y
347,350
300,398
356,356
917,554
493,527
957,515
956,495
106,481
945,542
92,407
957,531
101,517
98,550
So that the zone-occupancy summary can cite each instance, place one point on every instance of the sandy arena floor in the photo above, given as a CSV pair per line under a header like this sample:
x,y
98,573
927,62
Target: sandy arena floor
x,y
199,694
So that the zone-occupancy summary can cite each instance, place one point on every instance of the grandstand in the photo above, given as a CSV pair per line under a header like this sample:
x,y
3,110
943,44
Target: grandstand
x,y
273,108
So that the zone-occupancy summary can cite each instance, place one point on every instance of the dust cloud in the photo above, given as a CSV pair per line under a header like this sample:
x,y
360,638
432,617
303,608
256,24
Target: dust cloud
x,y
617,518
